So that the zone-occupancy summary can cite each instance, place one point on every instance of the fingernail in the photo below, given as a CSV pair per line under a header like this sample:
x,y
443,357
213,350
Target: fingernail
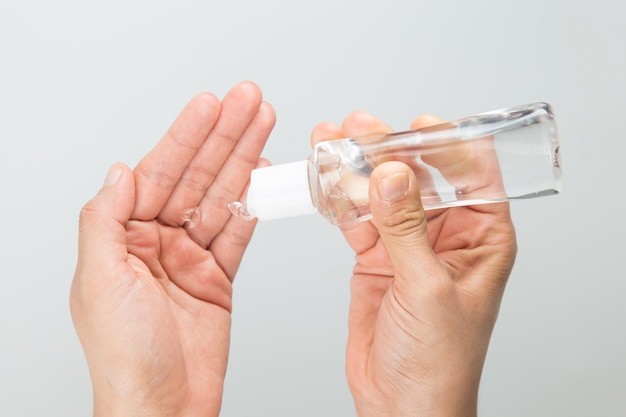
x,y
113,175
394,187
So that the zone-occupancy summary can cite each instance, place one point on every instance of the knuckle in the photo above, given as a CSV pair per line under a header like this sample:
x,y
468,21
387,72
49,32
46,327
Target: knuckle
x,y
158,178
89,211
404,220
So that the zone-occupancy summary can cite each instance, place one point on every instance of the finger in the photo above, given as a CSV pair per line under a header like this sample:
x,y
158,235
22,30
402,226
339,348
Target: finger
x,y
471,166
425,120
233,176
401,221
159,171
360,236
229,246
325,131
239,108
101,232
360,123
496,230
428,189
356,124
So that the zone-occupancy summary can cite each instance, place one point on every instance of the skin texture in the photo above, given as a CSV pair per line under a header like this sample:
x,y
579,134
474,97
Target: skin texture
x,y
151,297
427,286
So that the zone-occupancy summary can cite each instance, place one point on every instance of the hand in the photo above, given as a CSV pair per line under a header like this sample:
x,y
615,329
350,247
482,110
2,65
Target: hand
x,y
426,287
151,296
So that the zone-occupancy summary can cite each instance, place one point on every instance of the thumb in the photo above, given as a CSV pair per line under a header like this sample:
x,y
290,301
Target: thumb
x,y
101,231
399,216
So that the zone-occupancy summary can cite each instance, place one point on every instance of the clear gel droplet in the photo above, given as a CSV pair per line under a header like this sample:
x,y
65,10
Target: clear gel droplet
x,y
240,210
192,217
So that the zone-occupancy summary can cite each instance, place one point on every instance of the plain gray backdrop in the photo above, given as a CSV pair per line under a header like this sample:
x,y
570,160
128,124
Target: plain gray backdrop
x,y
84,84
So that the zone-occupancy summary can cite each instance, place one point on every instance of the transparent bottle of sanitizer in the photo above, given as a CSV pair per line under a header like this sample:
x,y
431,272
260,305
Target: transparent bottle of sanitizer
x,y
497,156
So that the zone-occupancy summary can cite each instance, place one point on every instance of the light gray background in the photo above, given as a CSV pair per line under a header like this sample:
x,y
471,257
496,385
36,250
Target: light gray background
x,y
85,84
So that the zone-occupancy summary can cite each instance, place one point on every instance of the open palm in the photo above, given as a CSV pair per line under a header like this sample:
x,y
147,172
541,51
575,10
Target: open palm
x,y
151,297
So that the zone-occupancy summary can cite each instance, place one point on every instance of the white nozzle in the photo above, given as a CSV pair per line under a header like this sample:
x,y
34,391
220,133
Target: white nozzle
x,y
280,191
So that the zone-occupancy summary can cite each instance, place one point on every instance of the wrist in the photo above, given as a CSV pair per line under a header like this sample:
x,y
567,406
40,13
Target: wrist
x,y
453,398
113,408
111,403
451,408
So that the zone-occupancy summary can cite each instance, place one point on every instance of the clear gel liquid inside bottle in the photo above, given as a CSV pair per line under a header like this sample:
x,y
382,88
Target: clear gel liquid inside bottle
x,y
491,157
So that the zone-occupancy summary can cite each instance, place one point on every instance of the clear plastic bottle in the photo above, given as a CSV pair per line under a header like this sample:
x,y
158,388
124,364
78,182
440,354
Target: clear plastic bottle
x,y
491,157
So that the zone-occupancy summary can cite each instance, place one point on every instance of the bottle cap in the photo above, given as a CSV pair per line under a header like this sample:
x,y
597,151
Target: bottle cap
x,y
280,191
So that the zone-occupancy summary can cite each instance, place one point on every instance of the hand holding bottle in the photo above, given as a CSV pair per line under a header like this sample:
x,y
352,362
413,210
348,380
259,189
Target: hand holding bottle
x,y
426,287
151,296
334,180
